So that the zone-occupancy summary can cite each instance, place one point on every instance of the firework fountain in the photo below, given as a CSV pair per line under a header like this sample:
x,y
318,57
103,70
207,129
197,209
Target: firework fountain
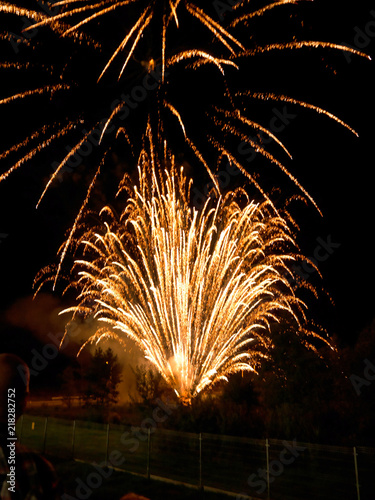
x,y
198,290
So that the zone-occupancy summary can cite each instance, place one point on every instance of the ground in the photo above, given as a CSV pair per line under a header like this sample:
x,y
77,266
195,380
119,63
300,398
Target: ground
x,y
81,475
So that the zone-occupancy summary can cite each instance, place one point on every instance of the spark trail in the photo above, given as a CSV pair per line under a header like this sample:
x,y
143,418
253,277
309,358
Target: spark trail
x,y
221,46
198,291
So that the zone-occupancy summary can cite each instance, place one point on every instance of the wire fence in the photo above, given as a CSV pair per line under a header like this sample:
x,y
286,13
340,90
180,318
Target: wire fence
x,y
244,467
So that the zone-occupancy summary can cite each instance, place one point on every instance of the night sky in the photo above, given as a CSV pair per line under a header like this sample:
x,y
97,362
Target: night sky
x,y
333,165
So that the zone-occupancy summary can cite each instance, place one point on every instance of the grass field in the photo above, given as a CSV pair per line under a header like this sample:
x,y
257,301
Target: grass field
x,y
119,483
171,455
225,463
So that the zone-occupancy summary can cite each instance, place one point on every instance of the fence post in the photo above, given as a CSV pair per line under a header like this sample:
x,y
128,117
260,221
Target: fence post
x,y
45,435
107,446
356,472
268,468
148,452
200,462
73,438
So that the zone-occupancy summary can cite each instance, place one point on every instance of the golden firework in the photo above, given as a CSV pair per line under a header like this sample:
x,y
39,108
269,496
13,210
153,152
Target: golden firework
x,y
198,291
225,48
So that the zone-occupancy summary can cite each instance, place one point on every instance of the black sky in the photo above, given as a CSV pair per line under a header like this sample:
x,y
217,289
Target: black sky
x,y
334,166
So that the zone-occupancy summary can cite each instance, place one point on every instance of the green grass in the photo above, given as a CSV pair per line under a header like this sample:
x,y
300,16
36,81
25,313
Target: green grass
x,y
119,483
227,462
173,455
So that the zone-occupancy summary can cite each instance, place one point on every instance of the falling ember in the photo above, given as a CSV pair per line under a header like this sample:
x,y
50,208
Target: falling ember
x,y
83,98
146,15
197,290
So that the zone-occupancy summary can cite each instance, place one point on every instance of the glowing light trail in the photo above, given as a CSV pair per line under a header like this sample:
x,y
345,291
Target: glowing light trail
x,y
199,292
161,17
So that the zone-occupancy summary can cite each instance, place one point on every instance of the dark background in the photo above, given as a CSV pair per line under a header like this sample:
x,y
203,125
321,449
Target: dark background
x,y
333,165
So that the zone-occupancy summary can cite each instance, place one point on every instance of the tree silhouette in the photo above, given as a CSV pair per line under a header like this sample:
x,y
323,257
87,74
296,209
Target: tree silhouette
x,y
149,383
103,377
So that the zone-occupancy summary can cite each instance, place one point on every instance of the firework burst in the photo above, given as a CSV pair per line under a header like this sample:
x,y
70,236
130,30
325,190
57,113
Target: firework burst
x,y
155,37
198,291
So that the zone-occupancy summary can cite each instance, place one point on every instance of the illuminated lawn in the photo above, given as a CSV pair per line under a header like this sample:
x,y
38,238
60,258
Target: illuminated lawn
x,y
121,483
173,460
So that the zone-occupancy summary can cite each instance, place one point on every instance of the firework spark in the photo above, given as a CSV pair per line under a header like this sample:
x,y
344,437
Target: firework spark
x,y
223,118
167,24
197,291
163,12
